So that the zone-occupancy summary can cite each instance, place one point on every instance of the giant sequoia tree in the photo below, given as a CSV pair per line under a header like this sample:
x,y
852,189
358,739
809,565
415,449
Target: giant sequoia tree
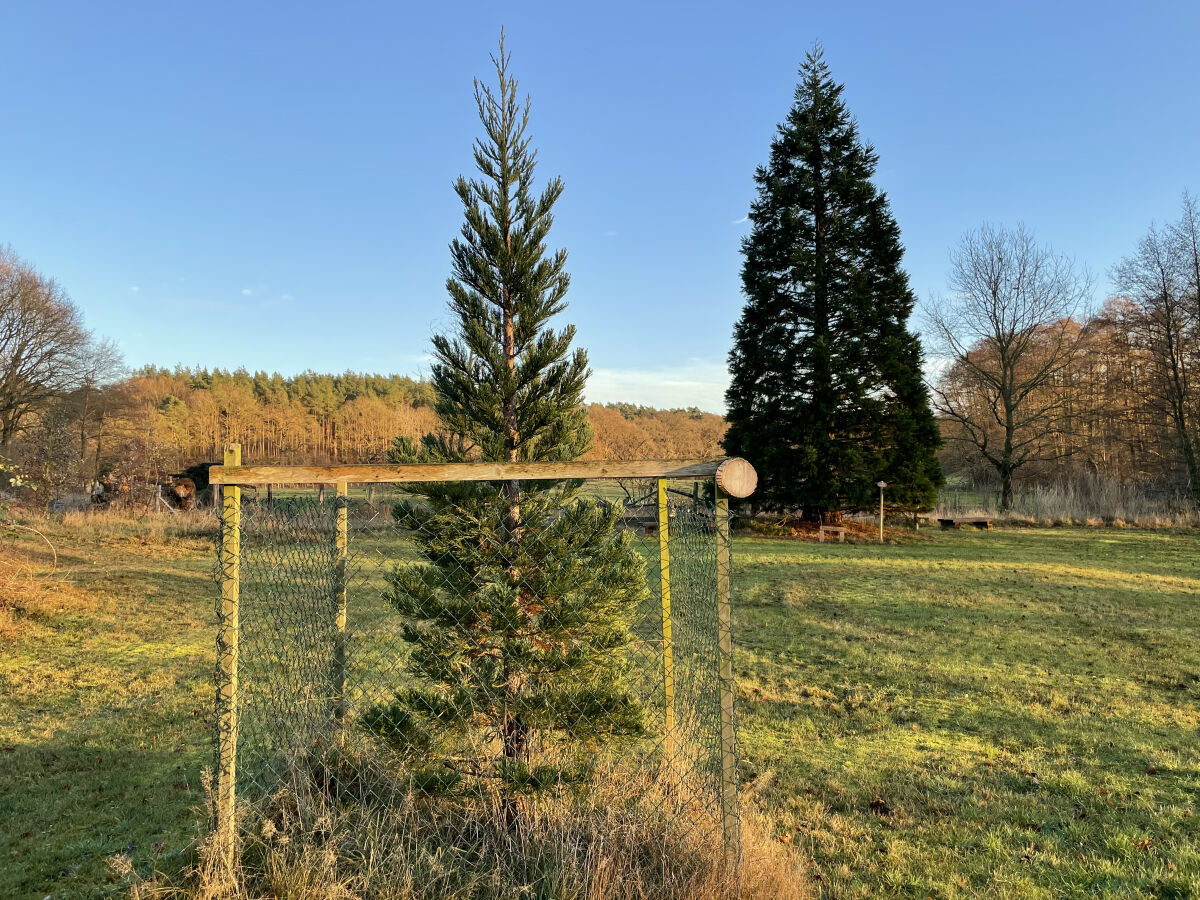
x,y
827,396
518,614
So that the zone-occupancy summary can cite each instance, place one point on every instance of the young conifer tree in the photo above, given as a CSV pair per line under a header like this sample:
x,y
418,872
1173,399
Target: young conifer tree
x,y
518,616
826,395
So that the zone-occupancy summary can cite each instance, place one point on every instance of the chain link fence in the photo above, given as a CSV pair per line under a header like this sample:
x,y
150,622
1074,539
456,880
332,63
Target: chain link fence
x,y
532,666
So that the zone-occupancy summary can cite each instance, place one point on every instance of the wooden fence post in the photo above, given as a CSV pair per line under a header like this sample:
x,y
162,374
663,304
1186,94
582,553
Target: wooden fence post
x,y
664,565
339,587
227,666
729,785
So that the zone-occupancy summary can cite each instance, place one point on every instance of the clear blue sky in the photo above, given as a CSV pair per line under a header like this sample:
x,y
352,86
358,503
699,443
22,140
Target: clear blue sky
x,y
269,185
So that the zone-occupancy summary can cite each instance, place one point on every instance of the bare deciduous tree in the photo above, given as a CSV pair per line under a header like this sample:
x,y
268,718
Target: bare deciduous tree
x,y
1162,279
1007,333
42,343
100,368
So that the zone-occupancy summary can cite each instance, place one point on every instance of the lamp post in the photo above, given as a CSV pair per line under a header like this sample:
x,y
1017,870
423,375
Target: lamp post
x,y
881,485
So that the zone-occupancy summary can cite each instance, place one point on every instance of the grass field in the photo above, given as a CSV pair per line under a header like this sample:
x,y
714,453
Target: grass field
x,y
1006,714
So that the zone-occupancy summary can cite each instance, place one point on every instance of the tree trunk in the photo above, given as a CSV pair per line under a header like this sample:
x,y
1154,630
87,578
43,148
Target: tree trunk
x,y
514,733
95,473
1006,490
1006,460
1177,400
1190,462
84,481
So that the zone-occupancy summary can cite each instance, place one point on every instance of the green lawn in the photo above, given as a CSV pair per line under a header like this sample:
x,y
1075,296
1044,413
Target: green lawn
x,y
105,712
1005,714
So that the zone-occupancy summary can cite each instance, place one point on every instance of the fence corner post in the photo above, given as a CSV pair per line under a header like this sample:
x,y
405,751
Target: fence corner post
x,y
668,646
227,666
339,600
730,826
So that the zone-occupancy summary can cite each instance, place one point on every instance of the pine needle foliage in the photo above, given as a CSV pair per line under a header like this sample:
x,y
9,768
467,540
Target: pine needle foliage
x,y
826,395
519,613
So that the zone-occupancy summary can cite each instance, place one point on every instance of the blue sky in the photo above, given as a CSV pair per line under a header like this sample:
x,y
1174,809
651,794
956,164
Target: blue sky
x,y
269,185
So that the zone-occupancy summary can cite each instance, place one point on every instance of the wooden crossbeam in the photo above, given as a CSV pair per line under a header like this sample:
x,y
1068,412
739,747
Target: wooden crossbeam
x,y
734,475
472,471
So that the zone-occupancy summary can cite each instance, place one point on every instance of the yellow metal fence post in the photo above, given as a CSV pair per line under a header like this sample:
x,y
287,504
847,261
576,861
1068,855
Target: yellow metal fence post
x,y
664,564
339,582
729,785
227,666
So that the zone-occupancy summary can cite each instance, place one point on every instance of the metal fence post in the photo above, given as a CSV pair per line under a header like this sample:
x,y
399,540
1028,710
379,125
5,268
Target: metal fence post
x,y
339,599
227,665
729,785
664,564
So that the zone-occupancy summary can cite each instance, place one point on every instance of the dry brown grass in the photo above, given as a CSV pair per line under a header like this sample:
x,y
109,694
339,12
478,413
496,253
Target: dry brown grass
x,y
1087,500
19,589
35,584
303,844
770,870
30,586
160,528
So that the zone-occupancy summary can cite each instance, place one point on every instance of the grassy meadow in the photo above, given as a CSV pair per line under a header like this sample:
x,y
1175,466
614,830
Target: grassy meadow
x,y
1009,714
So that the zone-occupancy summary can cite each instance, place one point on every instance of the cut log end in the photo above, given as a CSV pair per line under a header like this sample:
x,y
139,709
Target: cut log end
x,y
736,477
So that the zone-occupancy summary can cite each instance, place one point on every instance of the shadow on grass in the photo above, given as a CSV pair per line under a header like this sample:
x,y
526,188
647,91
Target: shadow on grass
x,y
67,807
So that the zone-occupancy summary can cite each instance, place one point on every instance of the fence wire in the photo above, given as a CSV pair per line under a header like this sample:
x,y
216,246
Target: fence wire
x,y
426,651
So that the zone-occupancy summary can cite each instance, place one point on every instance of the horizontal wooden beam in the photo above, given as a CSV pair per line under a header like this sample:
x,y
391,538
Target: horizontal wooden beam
x,y
475,471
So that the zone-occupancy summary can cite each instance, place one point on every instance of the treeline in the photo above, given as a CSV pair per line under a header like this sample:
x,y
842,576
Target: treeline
x,y
155,422
71,416
1040,390
308,418
1099,414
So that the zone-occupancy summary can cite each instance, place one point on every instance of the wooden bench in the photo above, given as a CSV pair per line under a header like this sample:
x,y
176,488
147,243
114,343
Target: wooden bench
x,y
978,521
833,531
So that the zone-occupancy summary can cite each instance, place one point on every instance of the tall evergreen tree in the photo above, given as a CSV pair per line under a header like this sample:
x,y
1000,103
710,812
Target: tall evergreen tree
x,y
519,613
826,395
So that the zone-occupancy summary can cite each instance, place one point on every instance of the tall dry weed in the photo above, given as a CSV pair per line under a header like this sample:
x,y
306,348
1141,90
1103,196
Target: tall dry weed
x,y
306,843
1083,499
